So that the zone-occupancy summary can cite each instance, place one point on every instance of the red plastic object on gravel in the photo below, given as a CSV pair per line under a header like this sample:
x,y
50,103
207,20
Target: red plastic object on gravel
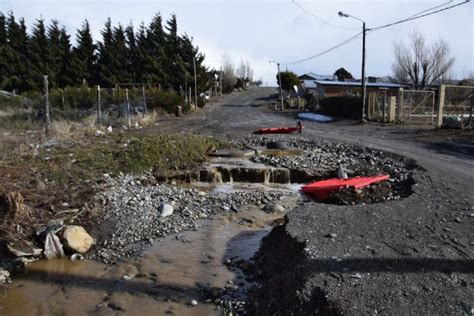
x,y
276,130
322,189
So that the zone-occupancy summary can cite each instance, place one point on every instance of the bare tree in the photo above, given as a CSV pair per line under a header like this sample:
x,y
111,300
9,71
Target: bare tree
x,y
249,71
229,78
242,71
420,64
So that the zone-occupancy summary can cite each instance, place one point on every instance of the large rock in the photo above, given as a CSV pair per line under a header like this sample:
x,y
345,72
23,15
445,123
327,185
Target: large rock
x,y
77,239
166,210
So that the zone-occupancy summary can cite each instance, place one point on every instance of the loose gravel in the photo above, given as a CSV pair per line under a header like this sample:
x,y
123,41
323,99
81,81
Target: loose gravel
x,y
132,219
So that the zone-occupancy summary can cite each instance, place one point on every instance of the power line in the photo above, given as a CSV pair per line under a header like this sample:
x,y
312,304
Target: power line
x,y
320,19
347,41
353,38
430,9
417,16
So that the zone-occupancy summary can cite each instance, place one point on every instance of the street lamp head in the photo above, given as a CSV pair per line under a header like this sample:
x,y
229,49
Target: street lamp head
x,y
343,15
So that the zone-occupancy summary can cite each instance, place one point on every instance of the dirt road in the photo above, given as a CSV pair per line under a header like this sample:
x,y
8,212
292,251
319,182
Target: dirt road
x,y
413,256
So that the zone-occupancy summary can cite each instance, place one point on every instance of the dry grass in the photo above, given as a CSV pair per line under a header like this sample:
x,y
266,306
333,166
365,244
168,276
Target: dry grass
x,y
61,130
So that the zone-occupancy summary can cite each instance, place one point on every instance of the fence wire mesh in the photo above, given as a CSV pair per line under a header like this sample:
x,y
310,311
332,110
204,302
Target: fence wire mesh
x,y
459,103
417,106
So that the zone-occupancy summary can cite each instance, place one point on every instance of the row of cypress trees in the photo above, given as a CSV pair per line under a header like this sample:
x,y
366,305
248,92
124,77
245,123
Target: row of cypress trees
x,y
148,54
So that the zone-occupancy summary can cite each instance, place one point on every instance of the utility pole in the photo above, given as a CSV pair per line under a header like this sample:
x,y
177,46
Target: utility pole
x,y
281,90
195,85
46,104
186,87
220,86
362,81
363,72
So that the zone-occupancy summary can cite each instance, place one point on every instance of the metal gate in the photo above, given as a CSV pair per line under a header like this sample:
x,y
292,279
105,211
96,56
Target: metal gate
x,y
416,106
377,106
456,102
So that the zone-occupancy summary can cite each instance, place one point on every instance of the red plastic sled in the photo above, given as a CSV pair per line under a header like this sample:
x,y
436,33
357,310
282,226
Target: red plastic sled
x,y
276,130
322,189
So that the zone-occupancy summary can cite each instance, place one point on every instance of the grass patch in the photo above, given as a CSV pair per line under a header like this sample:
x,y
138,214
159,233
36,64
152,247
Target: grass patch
x,y
135,155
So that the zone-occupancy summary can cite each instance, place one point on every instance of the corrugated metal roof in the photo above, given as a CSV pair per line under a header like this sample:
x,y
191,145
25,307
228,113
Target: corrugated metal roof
x,y
319,77
309,84
369,84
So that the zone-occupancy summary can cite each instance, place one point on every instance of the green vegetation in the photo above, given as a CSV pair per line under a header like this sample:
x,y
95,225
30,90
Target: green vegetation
x,y
342,74
153,54
288,80
135,155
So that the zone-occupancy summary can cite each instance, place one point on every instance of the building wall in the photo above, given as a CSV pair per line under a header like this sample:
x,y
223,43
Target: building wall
x,y
333,91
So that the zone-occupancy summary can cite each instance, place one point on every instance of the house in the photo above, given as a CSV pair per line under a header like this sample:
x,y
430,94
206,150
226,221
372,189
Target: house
x,y
313,76
340,88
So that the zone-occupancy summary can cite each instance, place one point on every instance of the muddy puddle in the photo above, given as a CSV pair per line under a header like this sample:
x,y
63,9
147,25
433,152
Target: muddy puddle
x,y
163,280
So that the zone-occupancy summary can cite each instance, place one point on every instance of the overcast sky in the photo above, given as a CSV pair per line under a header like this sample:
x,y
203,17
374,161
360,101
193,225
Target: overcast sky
x,y
260,31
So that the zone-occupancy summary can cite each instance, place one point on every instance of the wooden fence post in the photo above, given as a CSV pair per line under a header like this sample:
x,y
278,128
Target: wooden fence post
x,y
391,109
98,106
441,96
128,109
145,110
46,104
400,105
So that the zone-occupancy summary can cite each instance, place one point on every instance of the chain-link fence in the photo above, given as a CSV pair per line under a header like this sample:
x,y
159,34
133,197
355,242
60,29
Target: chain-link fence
x,y
456,105
94,105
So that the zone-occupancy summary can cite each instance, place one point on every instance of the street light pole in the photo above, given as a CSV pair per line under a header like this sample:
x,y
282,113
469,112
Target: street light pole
x,y
362,83
195,85
281,90
279,82
363,72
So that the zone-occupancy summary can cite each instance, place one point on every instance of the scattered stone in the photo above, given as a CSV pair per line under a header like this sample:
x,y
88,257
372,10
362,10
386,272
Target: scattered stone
x,y
331,235
77,239
166,210
274,208
194,302
77,257
341,172
23,249
4,276
356,276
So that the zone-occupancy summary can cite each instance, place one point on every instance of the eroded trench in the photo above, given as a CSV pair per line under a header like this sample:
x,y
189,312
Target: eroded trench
x,y
197,271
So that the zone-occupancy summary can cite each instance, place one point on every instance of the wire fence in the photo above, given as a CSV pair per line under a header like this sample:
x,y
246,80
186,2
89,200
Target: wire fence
x,y
109,106
417,106
458,103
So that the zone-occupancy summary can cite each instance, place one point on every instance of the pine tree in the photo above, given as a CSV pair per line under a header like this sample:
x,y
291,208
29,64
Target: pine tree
x,y
175,69
105,67
39,55
119,61
83,59
54,53
16,57
3,51
190,53
132,51
65,74
152,53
